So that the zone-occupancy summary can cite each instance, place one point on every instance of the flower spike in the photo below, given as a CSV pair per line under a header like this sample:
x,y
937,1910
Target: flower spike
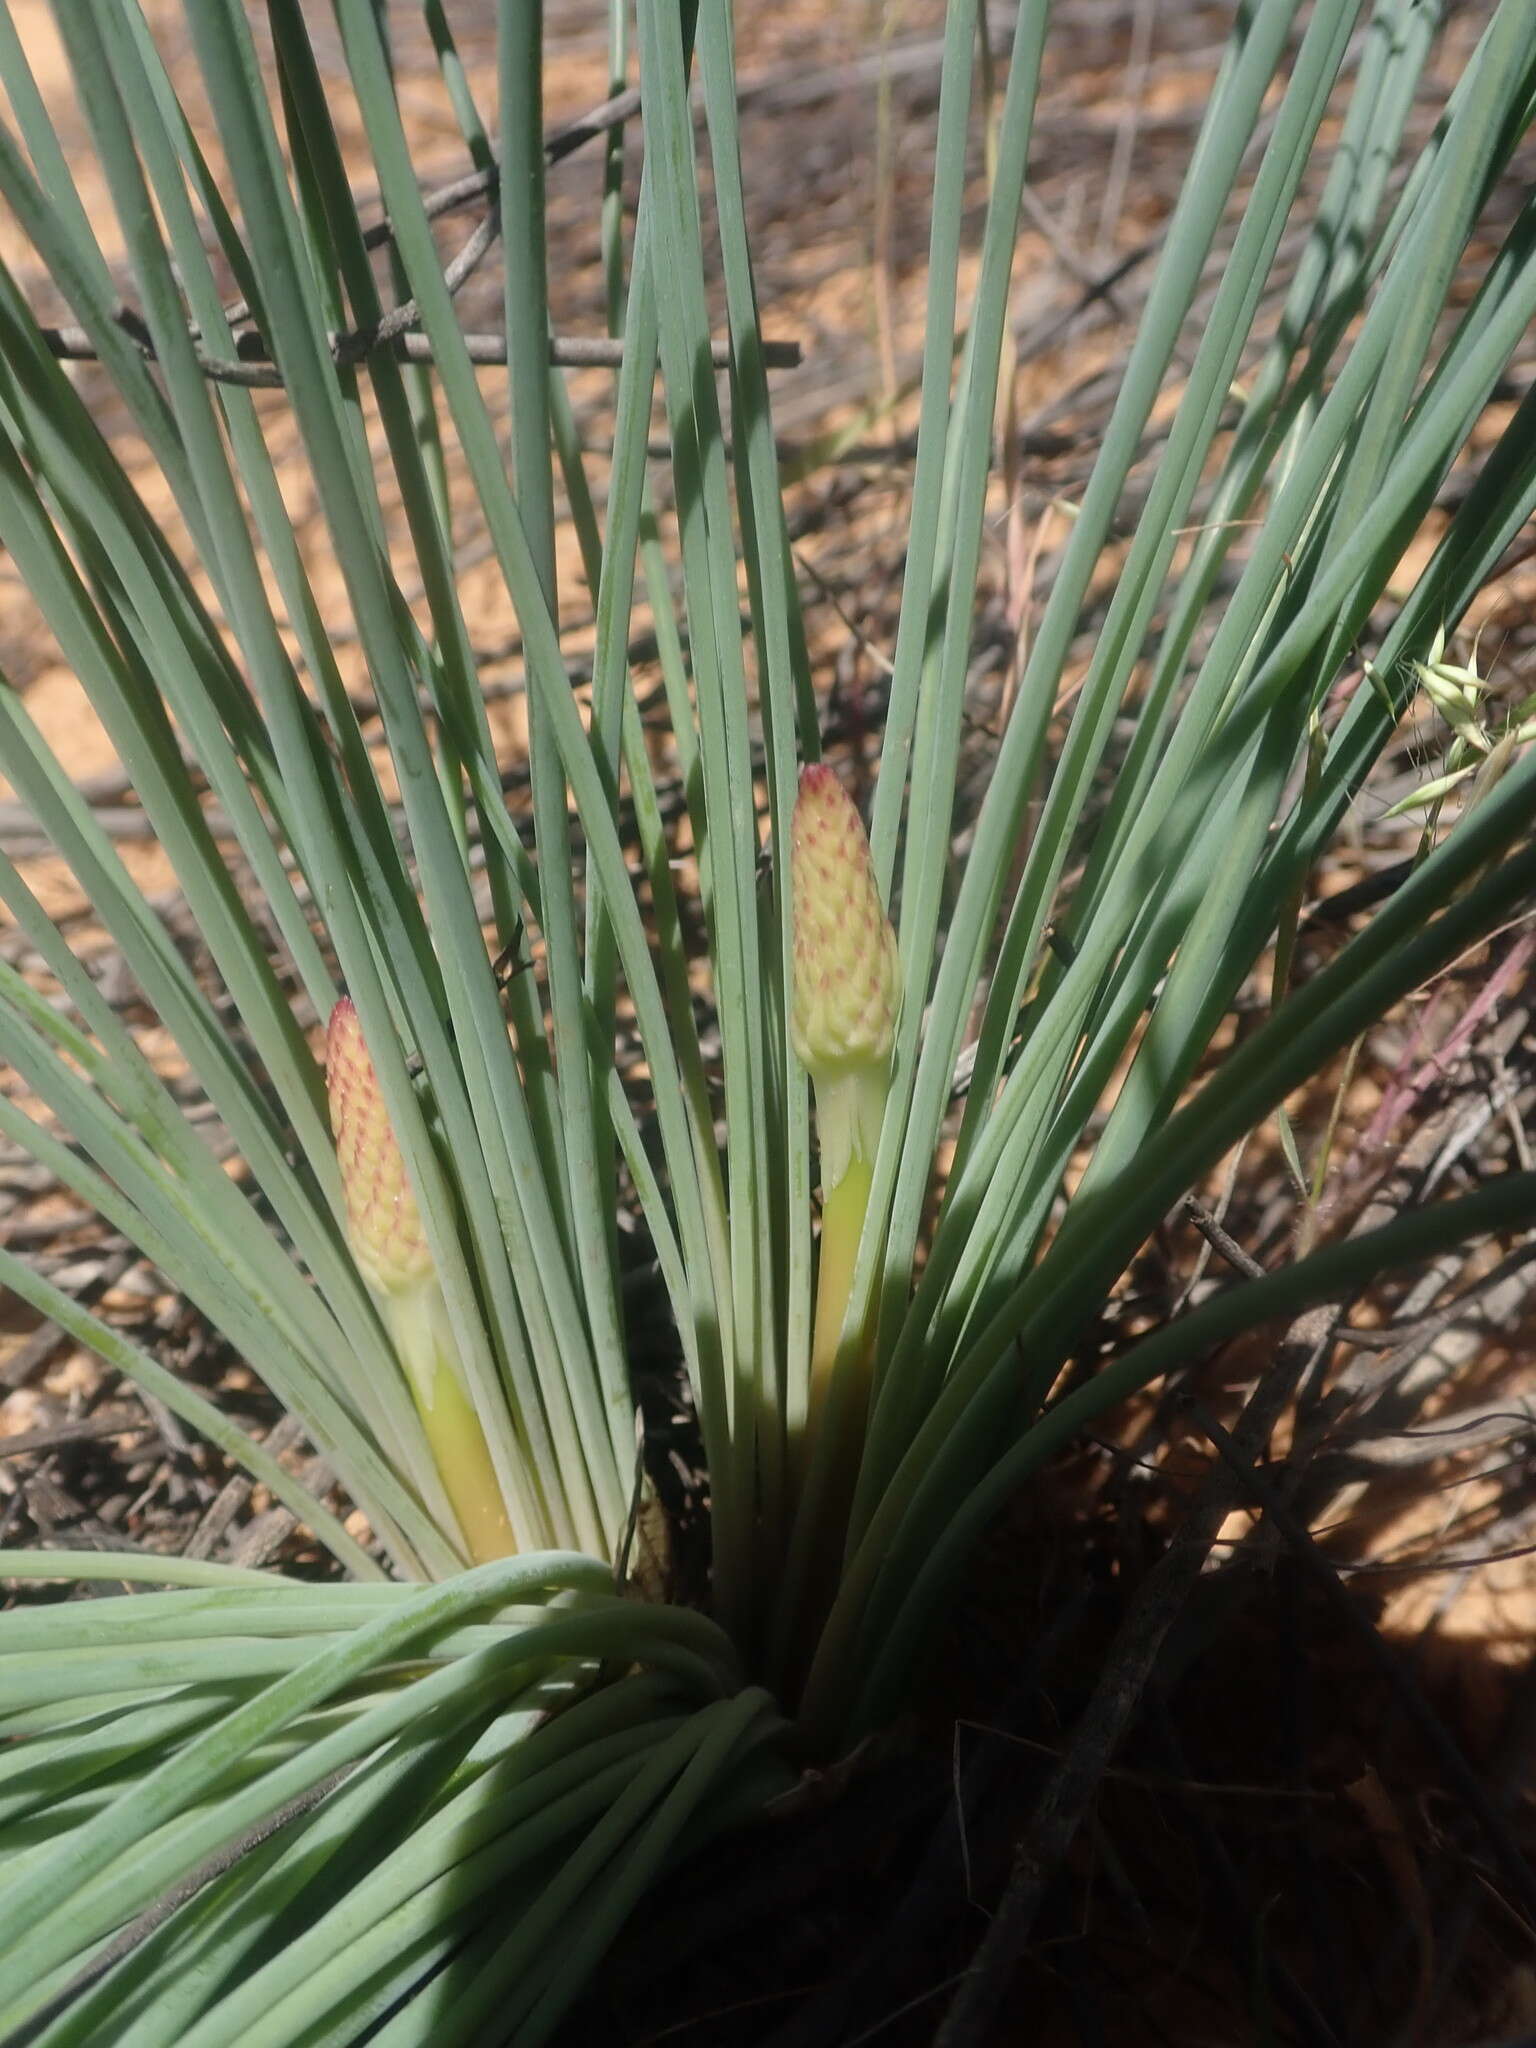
x,y
389,1242
844,1007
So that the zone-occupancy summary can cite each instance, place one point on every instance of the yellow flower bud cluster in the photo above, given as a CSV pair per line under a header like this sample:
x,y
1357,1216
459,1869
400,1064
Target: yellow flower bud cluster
x,y
847,976
384,1225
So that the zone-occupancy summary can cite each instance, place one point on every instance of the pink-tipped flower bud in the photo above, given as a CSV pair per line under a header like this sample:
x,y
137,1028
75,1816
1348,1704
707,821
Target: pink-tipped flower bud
x,y
384,1224
847,975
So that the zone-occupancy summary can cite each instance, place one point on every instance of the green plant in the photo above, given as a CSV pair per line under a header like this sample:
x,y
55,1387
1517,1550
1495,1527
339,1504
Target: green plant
x,y
465,1759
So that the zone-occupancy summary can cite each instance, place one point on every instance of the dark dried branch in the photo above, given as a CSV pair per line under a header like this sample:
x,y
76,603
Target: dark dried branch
x,y
1220,1241
256,371
1464,1782
48,1340
1424,1329
236,1492
1490,1422
475,185
84,1429
1128,1666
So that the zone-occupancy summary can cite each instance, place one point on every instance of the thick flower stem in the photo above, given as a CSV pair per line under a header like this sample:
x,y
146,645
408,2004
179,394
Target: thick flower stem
x,y
423,1337
459,1448
842,1224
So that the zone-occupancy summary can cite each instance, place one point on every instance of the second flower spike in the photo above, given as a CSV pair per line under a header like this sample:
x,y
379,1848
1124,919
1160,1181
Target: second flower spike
x,y
389,1243
847,974
845,1003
